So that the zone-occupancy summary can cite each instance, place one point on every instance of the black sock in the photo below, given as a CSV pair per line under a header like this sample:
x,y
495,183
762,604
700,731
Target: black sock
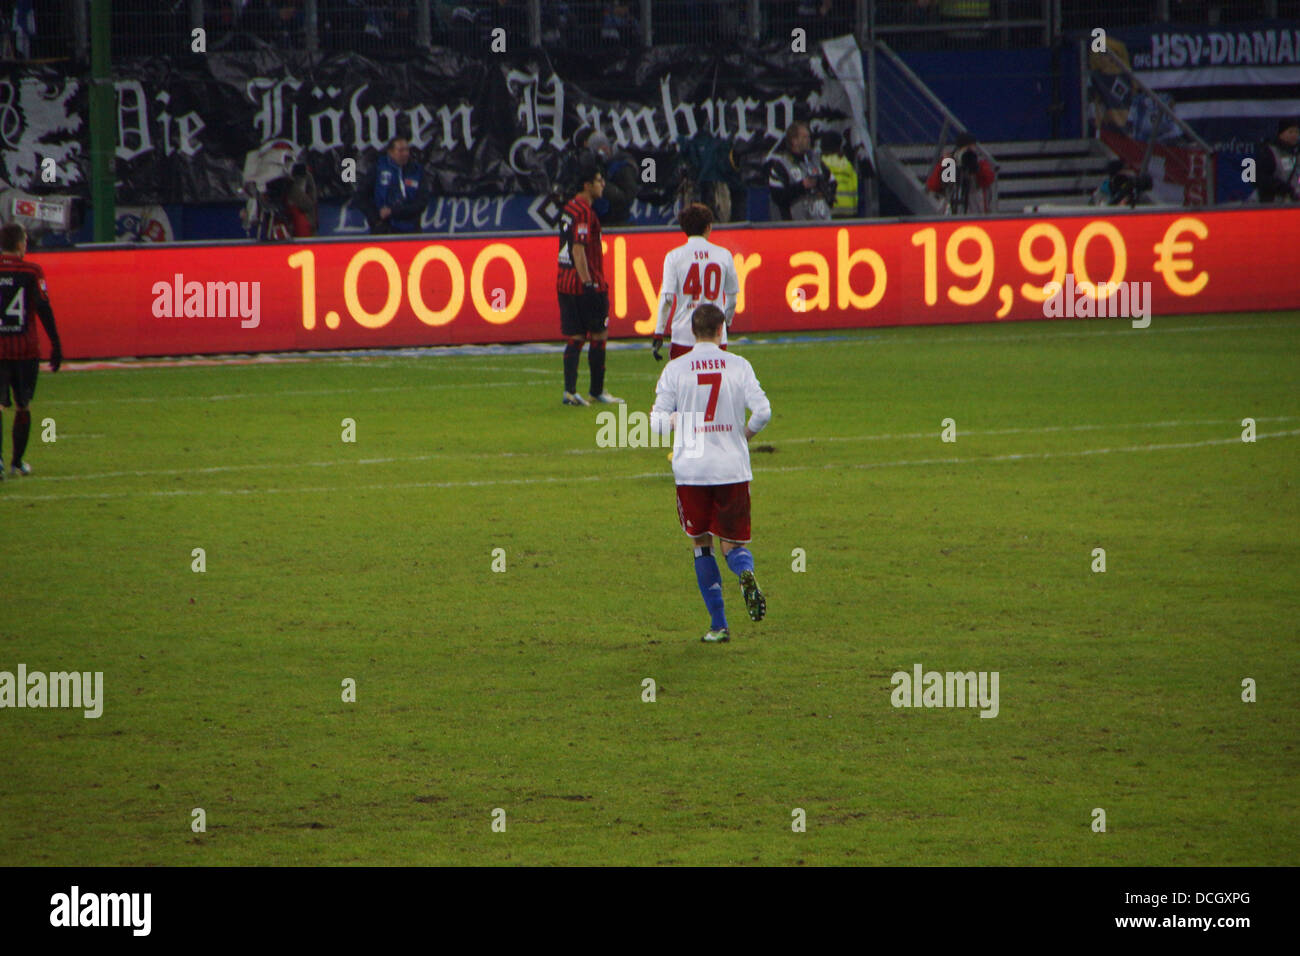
x,y
572,352
2,438
596,361
22,427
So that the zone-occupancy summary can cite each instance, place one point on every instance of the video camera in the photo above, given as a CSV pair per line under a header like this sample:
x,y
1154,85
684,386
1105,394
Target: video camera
x,y
1126,183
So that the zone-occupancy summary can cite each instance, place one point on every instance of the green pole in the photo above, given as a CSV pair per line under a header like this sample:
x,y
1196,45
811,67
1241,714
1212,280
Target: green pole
x,y
103,123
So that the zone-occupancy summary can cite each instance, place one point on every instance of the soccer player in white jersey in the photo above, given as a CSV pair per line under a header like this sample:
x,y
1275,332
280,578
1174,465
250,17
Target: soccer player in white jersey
x,y
704,395
695,273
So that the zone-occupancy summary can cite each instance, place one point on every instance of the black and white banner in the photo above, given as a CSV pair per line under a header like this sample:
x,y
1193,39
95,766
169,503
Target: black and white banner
x,y
482,125
1231,84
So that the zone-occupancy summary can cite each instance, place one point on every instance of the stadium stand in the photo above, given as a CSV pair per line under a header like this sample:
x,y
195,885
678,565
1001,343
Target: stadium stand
x,y
1015,73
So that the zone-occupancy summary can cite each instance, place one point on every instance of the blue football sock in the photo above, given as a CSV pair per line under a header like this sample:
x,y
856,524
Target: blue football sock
x,y
739,559
710,581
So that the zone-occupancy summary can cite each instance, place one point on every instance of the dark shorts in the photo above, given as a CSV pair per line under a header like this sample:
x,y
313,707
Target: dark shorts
x,y
675,350
583,314
717,509
18,376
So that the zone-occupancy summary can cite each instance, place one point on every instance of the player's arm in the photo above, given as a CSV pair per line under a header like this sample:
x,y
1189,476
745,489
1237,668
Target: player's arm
x,y
381,189
760,409
730,289
667,299
580,262
664,414
579,230
46,314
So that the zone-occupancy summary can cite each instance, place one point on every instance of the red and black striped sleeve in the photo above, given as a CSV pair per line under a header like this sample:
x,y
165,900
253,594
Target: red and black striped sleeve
x,y
44,311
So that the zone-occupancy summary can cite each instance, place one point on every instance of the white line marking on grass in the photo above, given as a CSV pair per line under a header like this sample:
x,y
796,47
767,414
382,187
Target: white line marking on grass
x,y
400,354
665,474
506,368
461,456
324,391
385,358
1034,430
1032,455
882,335
305,391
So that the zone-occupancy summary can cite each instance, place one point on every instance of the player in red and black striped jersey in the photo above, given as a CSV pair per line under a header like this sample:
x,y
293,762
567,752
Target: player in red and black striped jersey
x,y
23,299
583,291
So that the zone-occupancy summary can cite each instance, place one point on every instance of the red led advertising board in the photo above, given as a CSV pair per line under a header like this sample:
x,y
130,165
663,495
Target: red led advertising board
x,y
243,297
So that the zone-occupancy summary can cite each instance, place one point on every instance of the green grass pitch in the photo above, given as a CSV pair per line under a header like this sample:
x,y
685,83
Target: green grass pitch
x,y
522,690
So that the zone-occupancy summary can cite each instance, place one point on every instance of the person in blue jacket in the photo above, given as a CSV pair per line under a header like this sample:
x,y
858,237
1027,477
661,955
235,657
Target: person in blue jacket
x,y
401,189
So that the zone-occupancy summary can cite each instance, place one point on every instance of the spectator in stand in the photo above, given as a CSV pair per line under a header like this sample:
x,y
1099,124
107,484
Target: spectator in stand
x,y
290,22
556,21
463,31
341,22
277,21
621,181
824,19
845,171
18,30
801,185
973,14
619,29
139,27
401,189
1277,176
370,26
964,185
508,15
566,181
228,22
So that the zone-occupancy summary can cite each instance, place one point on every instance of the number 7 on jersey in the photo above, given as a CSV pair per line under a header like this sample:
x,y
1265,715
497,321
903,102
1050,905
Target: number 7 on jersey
x,y
714,381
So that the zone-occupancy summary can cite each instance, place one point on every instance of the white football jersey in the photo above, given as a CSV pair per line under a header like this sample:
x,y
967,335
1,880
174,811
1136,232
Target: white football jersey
x,y
696,272
710,389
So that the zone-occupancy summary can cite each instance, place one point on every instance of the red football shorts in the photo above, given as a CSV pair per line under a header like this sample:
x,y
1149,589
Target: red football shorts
x,y
717,509
675,350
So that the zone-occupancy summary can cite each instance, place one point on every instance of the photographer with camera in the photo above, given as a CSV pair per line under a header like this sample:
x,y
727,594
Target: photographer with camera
x,y
1279,165
962,179
282,195
1123,186
707,173
801,185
